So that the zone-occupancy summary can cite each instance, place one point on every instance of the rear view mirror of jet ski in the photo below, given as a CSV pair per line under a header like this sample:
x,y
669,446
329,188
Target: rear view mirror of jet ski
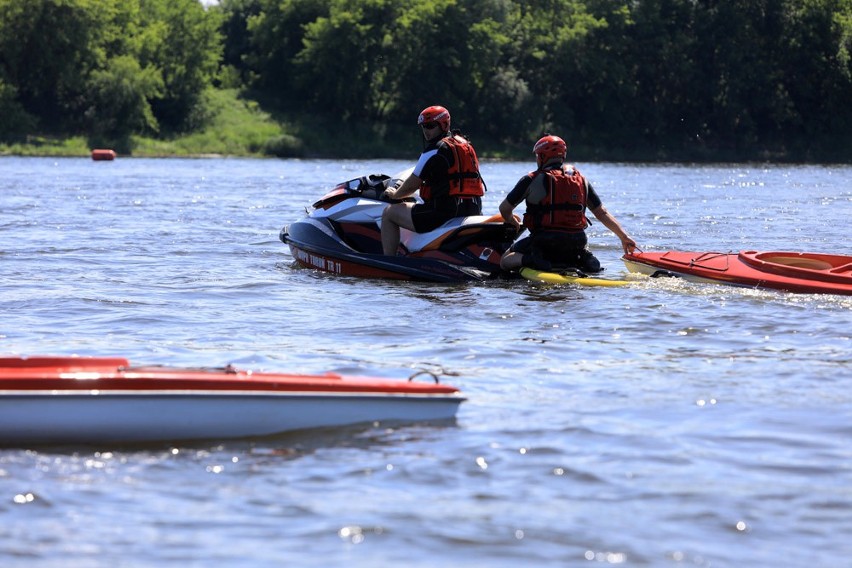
x,y
342,235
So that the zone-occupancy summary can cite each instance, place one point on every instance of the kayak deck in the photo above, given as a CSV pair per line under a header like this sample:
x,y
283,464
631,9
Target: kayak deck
x,y
785,271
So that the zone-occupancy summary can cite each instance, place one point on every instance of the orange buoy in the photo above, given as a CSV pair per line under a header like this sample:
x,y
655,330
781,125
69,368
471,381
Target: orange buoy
x,y
101,154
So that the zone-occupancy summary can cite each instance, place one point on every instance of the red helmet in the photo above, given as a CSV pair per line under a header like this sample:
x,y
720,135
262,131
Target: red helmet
x,y
435,114
549,147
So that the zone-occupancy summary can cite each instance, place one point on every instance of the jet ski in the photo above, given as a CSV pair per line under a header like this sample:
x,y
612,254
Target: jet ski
x,y
342,235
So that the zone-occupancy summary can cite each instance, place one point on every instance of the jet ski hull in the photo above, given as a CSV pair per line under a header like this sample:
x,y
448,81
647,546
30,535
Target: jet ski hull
x,y
342,236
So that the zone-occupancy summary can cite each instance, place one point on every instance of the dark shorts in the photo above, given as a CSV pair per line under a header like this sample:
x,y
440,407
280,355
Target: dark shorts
x,y
562,250
433,214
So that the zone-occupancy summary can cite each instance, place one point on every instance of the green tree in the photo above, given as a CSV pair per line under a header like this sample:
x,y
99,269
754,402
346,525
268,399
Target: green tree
x,y
815,77
540,57
120,96
379,61
181,40
277,35
728,79
445,52
774,78
67,59
15,122
843,20
237,48
49,48
350,40
637,84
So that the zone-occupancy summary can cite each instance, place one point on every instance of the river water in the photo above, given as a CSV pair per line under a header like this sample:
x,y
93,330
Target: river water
x,y
662,424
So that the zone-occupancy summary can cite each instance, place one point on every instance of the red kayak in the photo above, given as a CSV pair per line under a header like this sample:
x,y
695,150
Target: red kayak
x,y
801,272
60,400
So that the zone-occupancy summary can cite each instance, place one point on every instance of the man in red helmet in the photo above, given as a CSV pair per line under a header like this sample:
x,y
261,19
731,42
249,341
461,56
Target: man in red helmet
x,y
447,175
557,197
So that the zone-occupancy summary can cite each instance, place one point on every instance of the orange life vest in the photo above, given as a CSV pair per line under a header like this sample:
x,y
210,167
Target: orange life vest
x,y
564,205
464,177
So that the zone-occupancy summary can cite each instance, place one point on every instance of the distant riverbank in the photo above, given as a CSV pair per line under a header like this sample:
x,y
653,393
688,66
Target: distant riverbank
x,y
239,127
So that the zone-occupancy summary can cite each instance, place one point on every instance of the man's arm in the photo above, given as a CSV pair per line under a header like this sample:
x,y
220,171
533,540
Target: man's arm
x,y
611,223
506,209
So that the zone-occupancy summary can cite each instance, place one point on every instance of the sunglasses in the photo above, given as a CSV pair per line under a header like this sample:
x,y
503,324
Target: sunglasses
x,y
429,125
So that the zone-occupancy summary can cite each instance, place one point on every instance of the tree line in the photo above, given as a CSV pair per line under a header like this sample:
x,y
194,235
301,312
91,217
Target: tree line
x,y
619,79
105,68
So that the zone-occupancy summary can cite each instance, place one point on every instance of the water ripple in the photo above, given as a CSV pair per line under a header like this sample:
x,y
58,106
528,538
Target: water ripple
x,y
664,423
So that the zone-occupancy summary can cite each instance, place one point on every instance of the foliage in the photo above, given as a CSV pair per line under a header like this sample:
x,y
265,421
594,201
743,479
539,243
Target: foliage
x,y
105,67
15,122
644,79
276,30
49,47
181,40
119,96
46,146
236,127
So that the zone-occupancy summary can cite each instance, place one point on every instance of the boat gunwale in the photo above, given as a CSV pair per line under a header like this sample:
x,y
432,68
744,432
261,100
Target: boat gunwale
x,y
11,394
46,373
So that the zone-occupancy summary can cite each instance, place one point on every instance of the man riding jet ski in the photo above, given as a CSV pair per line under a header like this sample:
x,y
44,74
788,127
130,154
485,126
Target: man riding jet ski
x,y
447,176
342,235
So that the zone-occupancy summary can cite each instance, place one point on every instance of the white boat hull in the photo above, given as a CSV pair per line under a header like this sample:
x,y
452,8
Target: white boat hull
x,y
68,400
64,418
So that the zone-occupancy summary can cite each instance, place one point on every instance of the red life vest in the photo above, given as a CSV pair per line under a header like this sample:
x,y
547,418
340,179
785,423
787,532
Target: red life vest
x,y
464,177
564,205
